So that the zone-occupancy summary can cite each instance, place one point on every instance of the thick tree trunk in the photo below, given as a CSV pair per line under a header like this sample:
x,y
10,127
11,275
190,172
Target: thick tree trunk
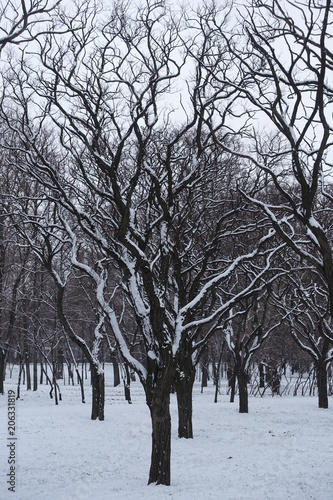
x,y
184,388
98,393
116,373
242,389
322,385
161,438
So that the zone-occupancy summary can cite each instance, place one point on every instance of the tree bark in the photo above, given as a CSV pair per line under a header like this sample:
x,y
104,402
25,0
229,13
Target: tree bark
x,y
217,374
80,381
204,379
116,373
35,372
184,388
27,367
127,385
161,438
232,384
41,373
322,385
242,389
21,369
98,393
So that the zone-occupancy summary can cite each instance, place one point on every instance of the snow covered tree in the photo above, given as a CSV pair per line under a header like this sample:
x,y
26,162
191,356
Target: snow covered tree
x,y
44,236
304,302
247,328
280,63
131,182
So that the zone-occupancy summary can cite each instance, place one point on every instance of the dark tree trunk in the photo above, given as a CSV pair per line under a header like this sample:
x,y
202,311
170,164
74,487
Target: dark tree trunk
x,y
60,364
184,388
242,389
116,373
183,383
54,379
98,393
27,366
35,374
21,370
161,438
56,399
204,379
261,376
322,385
70,373
48,380
217,374
41,373
80,381
232,384
127,385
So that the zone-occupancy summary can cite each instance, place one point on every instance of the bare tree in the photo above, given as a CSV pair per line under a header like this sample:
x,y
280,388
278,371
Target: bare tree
x,y
305,304
127,180
248,327
20,18
282,73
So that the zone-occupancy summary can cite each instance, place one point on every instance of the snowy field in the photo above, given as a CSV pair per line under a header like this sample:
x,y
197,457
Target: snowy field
x,y
282,449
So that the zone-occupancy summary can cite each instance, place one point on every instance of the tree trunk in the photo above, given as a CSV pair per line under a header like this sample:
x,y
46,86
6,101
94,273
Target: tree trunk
x,y
98,393
322,385
261,376
184,388
35,374
116,373
80,381
204,379
217,374
127,385
41,378
27,367
242,389
161,438
21,369
232,384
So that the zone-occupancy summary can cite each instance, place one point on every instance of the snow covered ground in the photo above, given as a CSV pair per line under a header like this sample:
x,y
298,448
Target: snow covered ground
x,y
282,449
